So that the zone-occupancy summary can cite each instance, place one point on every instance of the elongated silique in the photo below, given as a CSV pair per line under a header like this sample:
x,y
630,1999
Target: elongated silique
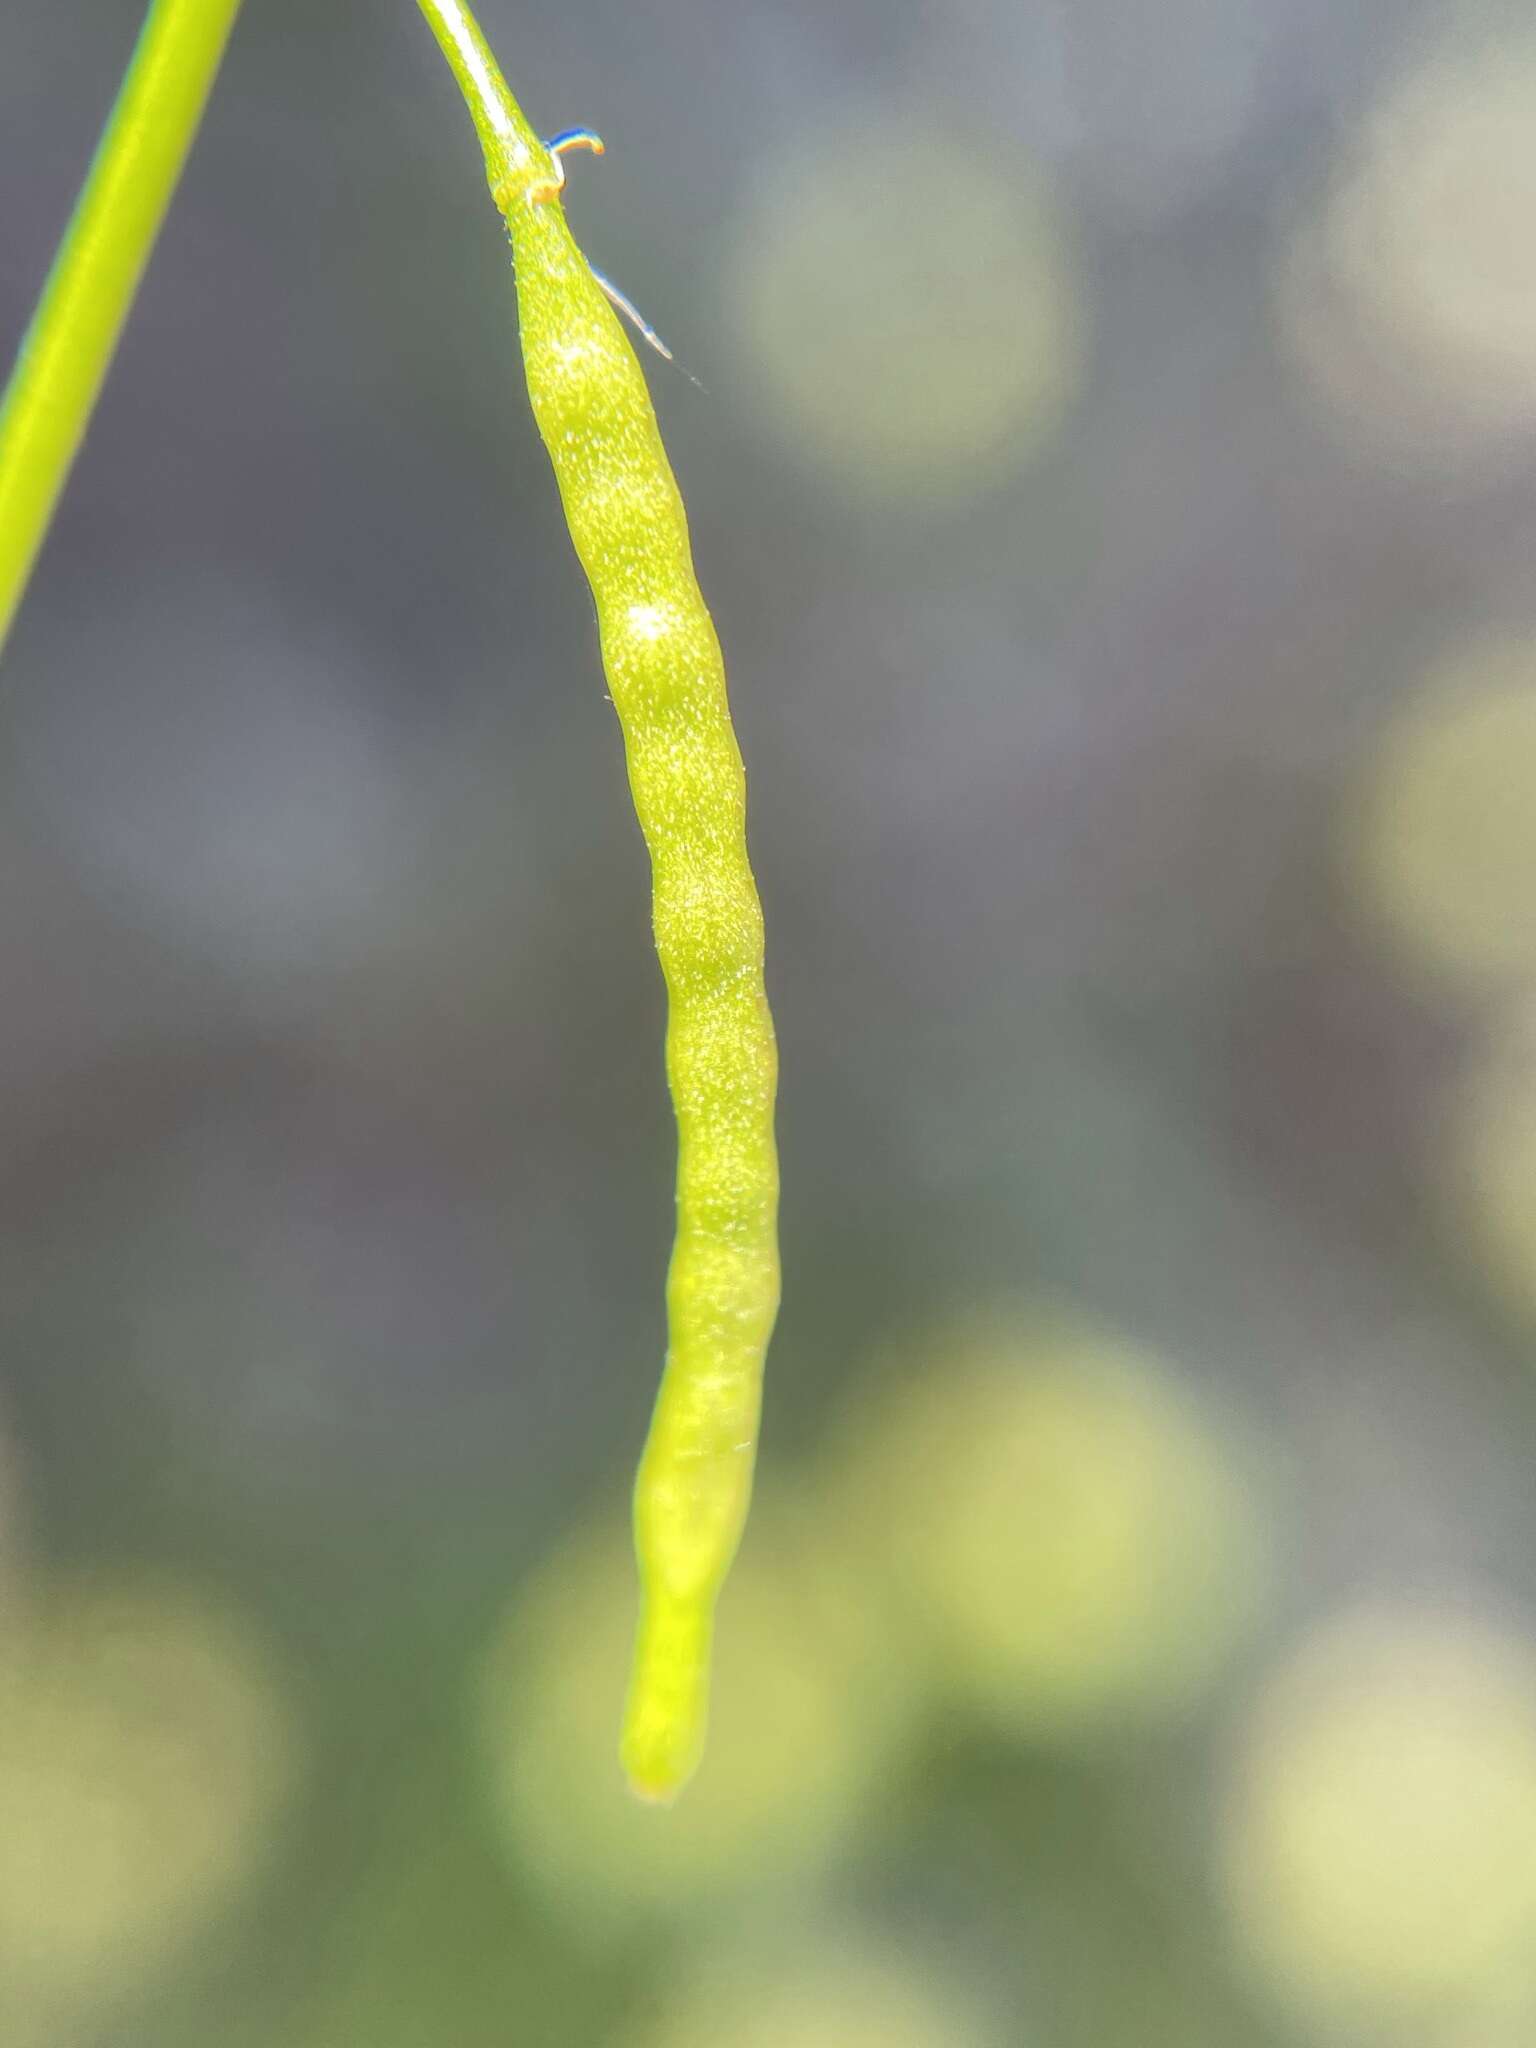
x,y
667,679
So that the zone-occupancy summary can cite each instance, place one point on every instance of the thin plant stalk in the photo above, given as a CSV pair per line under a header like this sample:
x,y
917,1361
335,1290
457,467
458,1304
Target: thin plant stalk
x,y
74,333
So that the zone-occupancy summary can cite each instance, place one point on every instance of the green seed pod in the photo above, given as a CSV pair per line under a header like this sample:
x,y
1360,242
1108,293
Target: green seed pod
x,y
667,680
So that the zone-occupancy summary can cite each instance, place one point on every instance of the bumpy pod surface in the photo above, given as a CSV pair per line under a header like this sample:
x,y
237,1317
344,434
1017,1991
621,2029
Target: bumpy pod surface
x,y
667,680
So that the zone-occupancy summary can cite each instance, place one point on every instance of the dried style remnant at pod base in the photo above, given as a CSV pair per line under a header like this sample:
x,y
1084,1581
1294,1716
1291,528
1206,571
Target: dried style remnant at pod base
x,y
667,680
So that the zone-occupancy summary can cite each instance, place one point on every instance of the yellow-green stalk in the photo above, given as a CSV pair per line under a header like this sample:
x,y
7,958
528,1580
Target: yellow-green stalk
x,y
68,348
667,681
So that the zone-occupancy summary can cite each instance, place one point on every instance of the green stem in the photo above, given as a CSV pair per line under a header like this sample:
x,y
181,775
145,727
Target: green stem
x,y
74,333
506,137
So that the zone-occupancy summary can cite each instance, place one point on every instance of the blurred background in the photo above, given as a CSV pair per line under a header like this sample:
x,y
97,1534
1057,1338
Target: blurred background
x,y
1115,482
